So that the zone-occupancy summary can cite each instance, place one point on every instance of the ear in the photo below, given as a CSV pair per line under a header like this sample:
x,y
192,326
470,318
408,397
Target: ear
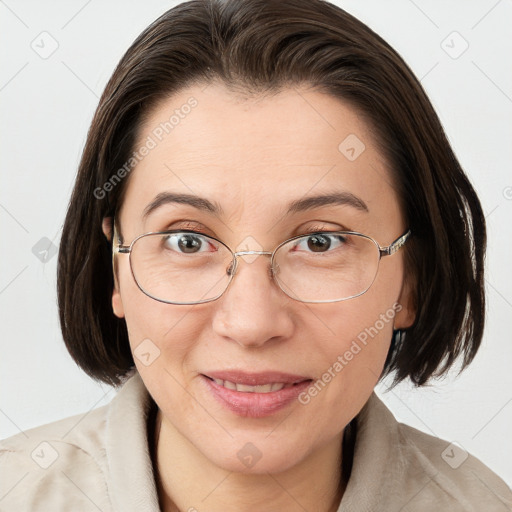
x,y
406,314
117,303
106,227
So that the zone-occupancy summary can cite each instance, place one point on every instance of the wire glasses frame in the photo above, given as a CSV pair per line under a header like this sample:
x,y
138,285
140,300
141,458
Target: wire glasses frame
x,y
230,270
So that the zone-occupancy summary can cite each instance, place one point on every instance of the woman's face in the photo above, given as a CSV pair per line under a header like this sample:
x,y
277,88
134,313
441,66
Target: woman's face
x,y
251,158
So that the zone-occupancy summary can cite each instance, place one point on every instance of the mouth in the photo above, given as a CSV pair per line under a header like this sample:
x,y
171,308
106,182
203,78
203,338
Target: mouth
x,y
255,394
261,382
245,388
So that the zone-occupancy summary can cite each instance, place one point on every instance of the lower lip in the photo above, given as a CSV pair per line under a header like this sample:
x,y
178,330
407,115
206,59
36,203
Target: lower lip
x,y
255,405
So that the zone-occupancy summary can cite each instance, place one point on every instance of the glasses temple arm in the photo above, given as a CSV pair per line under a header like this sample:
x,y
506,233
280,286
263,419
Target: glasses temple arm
x,y
396,245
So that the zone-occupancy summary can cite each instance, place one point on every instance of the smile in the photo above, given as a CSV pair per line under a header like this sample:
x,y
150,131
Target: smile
x,y
254,395
244,388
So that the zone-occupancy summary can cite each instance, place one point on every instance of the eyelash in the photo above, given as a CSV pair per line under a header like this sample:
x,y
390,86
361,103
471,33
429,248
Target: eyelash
x,y
317,228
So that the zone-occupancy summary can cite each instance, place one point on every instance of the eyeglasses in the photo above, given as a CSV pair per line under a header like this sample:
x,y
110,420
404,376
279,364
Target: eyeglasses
x,y
188,267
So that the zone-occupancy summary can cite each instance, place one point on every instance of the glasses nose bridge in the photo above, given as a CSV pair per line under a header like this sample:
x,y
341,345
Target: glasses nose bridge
x,y
237,254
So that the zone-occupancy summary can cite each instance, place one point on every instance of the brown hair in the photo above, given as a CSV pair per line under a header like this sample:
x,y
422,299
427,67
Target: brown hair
x,y
258,46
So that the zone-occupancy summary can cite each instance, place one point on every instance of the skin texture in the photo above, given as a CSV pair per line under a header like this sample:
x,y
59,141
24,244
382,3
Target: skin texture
x,y
252,157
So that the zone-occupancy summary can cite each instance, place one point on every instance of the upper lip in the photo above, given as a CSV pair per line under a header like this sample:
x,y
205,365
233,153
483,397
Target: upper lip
x,y
255,379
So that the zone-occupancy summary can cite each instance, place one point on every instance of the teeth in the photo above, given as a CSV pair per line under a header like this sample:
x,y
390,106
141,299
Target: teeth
x,y
244,388
227,384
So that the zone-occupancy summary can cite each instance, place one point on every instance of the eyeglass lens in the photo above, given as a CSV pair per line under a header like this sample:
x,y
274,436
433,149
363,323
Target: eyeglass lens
x,y
184,267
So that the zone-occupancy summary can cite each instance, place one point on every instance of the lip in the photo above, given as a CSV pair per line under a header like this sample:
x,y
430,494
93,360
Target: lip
x,y
256,379
255,405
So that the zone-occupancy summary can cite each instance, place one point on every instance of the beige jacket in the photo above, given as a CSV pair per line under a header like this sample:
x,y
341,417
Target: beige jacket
x,y
100,462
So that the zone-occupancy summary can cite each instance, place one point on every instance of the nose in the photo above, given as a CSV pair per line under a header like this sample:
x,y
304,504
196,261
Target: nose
x,y
253,310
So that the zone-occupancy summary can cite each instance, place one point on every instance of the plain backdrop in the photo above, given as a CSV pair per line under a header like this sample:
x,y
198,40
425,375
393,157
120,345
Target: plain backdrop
x,y
461,51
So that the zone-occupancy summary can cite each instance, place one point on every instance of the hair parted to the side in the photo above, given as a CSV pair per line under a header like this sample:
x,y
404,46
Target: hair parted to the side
x,y
258,46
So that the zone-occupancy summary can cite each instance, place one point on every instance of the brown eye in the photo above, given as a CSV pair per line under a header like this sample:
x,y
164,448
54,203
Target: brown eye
x,y
319,242
187,243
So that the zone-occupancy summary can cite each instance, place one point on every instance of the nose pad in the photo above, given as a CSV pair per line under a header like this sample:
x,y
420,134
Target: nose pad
x,y
230,270
272,270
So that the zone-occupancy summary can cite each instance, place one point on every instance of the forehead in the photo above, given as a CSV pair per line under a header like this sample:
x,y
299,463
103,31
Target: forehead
x,y
252,155
296,127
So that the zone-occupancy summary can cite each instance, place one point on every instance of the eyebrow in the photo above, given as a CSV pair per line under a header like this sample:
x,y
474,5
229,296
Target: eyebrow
x,y
299,205
169,197
331,198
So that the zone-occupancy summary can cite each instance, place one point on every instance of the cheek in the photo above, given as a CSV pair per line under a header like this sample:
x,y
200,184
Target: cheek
x,y
368,317
361,342
353,356
158,332
350,364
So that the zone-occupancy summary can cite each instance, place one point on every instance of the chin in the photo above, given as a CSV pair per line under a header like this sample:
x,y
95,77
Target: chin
x,y
256,458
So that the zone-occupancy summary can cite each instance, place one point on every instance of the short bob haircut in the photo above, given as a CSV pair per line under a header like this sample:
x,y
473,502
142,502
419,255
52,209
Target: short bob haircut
x,y
260,47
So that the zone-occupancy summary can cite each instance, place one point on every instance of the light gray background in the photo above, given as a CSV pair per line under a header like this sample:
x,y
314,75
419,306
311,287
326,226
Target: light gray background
x,y
48,103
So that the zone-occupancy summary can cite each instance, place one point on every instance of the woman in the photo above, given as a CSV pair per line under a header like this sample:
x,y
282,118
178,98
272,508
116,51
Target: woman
x,y
267,220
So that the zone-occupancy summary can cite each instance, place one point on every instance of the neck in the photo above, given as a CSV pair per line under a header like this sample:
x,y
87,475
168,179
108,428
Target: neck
x,y
189,482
